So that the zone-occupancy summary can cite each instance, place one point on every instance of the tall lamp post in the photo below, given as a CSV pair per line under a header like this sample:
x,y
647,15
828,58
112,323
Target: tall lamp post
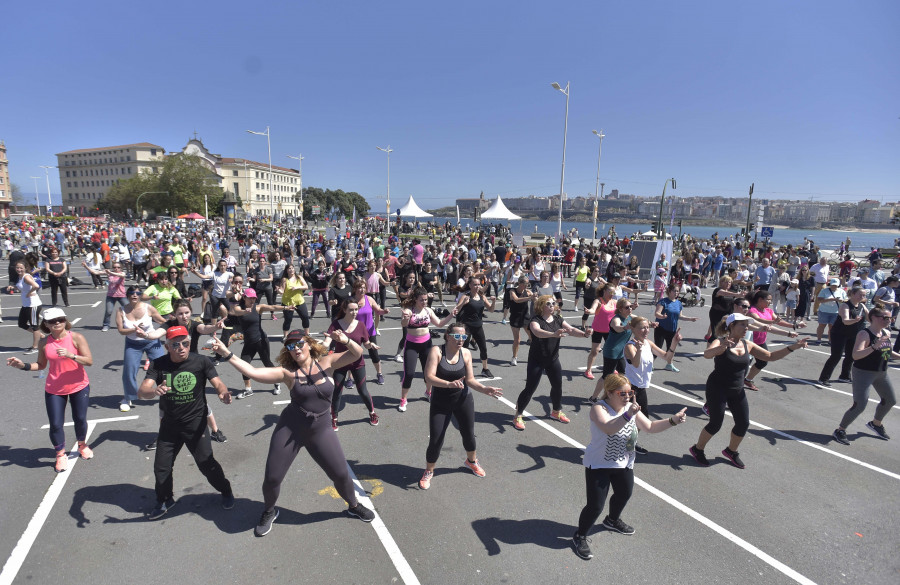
x,y
562,175
661,230
749,206
49,199
601,136
300,160
271,197
387,221
37,200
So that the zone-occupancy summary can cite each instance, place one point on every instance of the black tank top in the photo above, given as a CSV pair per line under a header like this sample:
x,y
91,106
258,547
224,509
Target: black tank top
x,y
313,400
845,331
472,312
721,303
251,325
729,370
875,361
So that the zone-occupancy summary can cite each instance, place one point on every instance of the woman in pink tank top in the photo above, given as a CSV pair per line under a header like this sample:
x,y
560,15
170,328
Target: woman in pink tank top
x,y
603,311
65,353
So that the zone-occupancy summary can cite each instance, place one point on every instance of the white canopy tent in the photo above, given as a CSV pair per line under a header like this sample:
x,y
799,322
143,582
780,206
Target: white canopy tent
x,y
498,210
412,209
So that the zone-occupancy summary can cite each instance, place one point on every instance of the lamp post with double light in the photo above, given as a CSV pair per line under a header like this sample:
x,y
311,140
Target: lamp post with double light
x,y
562,174
660,231
271,196
49,198
387,221
601,136
299,159
37,200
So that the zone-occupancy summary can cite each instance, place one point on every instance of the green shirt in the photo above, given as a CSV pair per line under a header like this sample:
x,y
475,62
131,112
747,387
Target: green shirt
x,y
161,298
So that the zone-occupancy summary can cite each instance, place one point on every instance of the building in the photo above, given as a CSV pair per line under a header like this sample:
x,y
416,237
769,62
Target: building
x,y
86,175
5,185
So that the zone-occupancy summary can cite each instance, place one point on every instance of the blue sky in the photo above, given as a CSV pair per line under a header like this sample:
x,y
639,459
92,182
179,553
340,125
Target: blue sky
x,y
799,97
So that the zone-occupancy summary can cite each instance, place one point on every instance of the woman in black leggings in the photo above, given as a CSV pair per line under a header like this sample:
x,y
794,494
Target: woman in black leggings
x,y
851,320
471,313
249,313
547,328
731,352
346,321
304,365
449,371
416,320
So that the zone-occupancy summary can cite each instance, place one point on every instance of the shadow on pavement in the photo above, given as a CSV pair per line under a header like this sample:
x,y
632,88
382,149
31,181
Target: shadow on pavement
x,y
395,474
542,452
29,458
137,439
544,533
823,439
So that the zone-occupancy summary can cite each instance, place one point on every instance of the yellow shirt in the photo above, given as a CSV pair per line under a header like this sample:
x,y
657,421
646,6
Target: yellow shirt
x,y
293,294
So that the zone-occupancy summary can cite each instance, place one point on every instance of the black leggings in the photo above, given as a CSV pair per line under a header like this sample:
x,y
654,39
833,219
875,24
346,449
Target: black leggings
x,y
411,351
476,337
839,345
660,335
140,271
58,284
315,301
294,431
373,353
289,317
716,399
640,396
758,363
251,349
597,482
56,414
359,379
268,292
534,369
447,403
195,436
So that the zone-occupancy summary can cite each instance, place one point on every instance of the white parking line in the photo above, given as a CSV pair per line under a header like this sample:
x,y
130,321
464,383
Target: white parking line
x,y
99,420
761,555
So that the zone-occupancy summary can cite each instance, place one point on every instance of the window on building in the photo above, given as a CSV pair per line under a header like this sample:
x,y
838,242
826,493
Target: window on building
x,y
234,173
152,152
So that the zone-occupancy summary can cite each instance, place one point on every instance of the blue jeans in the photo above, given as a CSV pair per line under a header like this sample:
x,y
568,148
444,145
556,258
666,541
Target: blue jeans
x,y
134,349
110,306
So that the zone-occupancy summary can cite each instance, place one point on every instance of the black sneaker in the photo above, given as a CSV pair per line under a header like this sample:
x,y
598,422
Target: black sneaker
x,y
228,501
618,526
845,380
825,383
699,456
705,408
161,509
264,526
734,457
582,546
640,450
151,446
486,373
593,400
879,431
361,512
840,435
218,436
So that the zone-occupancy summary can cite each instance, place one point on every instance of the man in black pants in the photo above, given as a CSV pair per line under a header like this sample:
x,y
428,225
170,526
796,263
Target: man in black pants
x,y
179,379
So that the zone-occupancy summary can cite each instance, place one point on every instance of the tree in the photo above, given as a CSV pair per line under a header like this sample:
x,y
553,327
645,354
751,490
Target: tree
x,y
342,201
15,192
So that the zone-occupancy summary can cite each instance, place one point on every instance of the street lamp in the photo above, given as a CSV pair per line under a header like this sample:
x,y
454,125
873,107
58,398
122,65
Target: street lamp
x,y
562,175
601,136
137,201
300,170
660,231
49,201
37,200
271,197
749,206
388,150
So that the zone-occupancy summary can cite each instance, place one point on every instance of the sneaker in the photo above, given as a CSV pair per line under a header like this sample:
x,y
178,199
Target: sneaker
x,y
380,380
425,482
348,383
361,512
640,450
618,526
514,362
879,431
264,526
486,373
161,509
146,365
503,321
474,467
62,461
699,456
334,425
402,407
151,446
825,383
587,374
559,416
105,328
840,435
246,393
428,395
582,548
519,423
218,436
125,406
593,399
671,368
749,384
399,358
30,351
277,389
227,501
373,419
845,380
734,457
84,451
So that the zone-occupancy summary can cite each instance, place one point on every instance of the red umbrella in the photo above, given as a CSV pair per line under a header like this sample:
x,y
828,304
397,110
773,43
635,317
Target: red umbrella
x,y
194,215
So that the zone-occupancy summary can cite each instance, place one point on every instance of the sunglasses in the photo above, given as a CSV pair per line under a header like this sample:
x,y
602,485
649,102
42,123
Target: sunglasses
x,y
625,394
551,304
55,321
136,293
177,344
459,336
295,344
743,306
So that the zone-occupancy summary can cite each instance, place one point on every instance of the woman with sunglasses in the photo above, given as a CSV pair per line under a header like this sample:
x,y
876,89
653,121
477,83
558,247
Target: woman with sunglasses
x,y
668,314
161,293
609,458
249,314
404,293
294,288
176,277
871,353
603,309
449,372
761,312
851,320
547,329
730,352
471,313
66,353
348,323
519,298
306,367
30,313
721,305
416,319
614,348
136,322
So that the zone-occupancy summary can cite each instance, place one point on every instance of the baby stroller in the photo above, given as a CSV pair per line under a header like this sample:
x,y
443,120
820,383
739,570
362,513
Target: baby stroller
x,y
689,292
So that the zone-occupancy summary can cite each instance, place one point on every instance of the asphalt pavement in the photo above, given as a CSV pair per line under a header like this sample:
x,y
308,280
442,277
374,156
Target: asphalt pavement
x,y
806,509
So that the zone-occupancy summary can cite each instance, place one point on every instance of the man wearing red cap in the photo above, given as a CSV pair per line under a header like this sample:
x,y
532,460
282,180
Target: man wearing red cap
x,y
179,380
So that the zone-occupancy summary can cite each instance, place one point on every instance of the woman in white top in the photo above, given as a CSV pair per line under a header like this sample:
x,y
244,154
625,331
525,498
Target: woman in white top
x,y
221,283
30,313
609,458
136,316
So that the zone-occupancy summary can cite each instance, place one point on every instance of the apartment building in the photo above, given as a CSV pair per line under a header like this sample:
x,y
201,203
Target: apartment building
x,y
5,185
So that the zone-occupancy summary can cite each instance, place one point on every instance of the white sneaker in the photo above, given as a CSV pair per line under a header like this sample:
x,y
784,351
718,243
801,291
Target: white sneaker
x,y
514,362
277,390
399,358
125,407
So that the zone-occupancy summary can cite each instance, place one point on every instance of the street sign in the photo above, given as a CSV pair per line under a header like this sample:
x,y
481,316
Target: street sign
x,y
316,209
767,232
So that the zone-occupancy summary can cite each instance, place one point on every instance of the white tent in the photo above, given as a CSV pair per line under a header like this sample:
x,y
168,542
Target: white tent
x,y
498,210
413,209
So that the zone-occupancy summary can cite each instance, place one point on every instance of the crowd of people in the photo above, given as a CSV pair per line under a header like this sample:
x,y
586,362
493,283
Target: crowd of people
x,y
444,284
